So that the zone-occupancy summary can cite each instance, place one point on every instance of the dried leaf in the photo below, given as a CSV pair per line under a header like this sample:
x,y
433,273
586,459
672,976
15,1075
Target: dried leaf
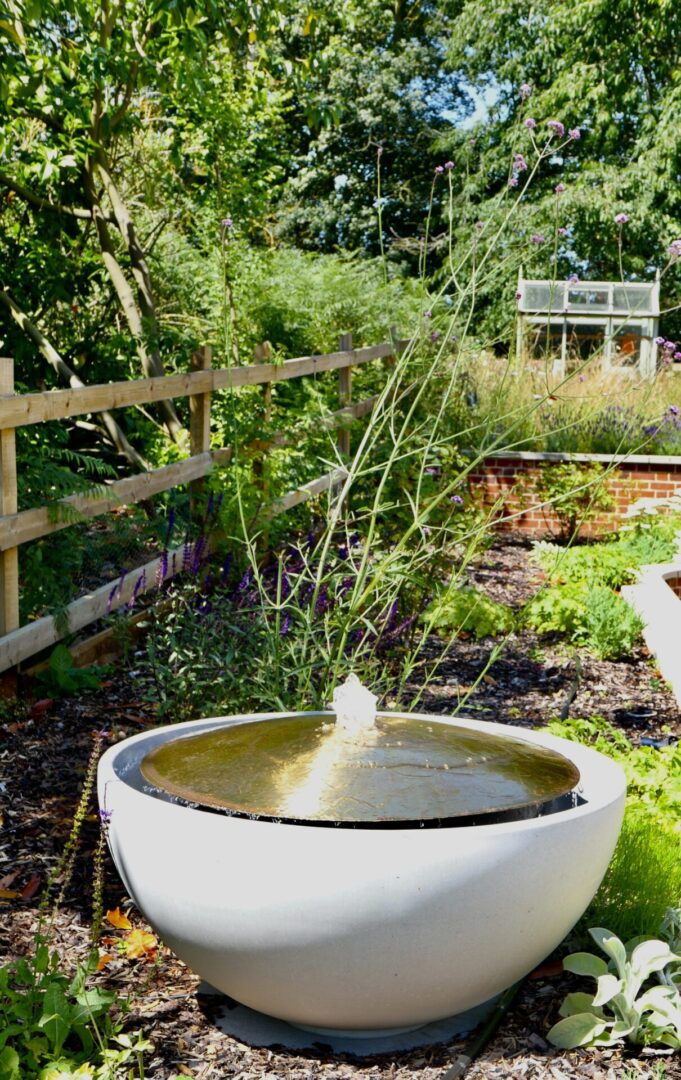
x,y
31,887
140,943
104,959
118,919
9,894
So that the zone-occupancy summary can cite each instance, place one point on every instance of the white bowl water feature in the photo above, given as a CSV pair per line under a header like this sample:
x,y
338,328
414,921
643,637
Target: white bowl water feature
x,y
363,930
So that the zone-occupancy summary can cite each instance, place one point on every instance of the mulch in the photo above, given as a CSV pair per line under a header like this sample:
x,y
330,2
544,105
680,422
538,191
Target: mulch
x,y
44,748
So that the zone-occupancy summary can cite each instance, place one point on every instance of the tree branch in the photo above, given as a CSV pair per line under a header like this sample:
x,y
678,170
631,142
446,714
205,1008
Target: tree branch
x,y
63,370
82,213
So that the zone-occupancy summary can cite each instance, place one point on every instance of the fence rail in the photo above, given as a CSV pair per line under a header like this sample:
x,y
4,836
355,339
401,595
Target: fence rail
x,y
19,643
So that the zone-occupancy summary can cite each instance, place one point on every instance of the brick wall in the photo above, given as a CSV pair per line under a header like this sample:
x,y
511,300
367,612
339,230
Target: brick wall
x,y
510,478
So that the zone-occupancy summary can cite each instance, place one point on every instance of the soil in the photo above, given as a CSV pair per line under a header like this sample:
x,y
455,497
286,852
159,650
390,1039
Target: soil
x,y
44,748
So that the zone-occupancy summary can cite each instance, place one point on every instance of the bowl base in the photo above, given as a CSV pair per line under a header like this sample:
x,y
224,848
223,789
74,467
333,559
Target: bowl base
x,y
257,1029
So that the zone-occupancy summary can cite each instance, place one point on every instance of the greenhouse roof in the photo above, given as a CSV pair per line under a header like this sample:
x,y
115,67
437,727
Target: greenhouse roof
x,y
635,299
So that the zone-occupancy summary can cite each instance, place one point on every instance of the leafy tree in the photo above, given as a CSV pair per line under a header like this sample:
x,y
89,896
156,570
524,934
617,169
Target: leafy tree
x,y
608,69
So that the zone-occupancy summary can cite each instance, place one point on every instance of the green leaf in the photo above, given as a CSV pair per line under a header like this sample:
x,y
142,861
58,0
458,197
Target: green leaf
x,y
651,956
578,1030
611,945
579,1003
583,963
56,1018
608,986
9,1064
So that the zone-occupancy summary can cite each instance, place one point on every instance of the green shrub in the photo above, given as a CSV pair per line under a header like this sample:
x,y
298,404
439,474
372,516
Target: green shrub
x,y
644,877
559,609
609,564
575,492
610,627
468,610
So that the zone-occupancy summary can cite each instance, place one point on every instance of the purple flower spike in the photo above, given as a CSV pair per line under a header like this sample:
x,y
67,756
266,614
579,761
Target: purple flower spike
x,y
457,500
530,123
671,345
449,165
621,219
659,341
674,410
537,238
575,134
513,182
105,816
285,624
557,127
439,169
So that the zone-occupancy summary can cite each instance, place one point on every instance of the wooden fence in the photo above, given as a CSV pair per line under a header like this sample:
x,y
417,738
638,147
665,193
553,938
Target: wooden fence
x,y
18,643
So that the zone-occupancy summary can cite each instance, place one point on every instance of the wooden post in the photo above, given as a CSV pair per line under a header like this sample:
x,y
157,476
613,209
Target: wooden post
x,y
199,426
263,353
9,559
344,393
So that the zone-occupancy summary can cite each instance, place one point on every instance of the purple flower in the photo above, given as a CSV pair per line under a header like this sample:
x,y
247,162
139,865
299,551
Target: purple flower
x,y
525,91
101,733
557,127
453,338
537,238
439,169
573,279
559,189
674,249
518,296
519,163
671,345
677,355
227,223
480,225
285,624
562,231
674,410
659,341
513,182
530,123
457,500
105,816
581,378
575,133
342,552
435,335
449,165
245,581
427,314
621,219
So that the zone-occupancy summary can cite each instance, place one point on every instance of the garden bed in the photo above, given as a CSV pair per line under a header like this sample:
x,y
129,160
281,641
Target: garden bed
x,y
42,760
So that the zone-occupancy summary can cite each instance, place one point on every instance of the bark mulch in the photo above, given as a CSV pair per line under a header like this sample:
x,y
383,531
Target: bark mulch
x,y
43,751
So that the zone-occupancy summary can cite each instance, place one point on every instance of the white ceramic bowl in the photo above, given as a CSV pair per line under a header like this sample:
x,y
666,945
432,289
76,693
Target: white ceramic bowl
x,y
351,929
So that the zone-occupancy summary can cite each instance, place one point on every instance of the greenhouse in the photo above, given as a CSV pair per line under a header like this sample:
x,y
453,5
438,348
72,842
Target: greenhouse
x,y
571,322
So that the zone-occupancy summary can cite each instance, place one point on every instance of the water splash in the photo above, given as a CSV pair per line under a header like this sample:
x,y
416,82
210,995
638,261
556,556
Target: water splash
x,y
354,706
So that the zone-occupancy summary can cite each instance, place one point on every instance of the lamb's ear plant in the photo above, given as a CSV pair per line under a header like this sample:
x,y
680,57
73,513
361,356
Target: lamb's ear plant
x,y
621,1008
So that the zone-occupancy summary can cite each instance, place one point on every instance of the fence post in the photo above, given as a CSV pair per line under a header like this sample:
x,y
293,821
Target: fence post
x,y
344,393
9,559
199,425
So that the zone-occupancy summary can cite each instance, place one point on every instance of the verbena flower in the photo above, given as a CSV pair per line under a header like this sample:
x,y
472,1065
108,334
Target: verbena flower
x,y
674,410
621,219
105,816
573,279
562,231
439,169
659,341
457,500
575,133
427,314
525,91
537,238
227,223
449,165
519,163
674,249
530,123
557,127
518,296
435,335
559,189
513,182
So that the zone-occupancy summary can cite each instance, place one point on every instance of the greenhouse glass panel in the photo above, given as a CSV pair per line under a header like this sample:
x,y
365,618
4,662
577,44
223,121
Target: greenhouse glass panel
x,y
584,341
589,297
637,299
625,350
541,296
545,341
